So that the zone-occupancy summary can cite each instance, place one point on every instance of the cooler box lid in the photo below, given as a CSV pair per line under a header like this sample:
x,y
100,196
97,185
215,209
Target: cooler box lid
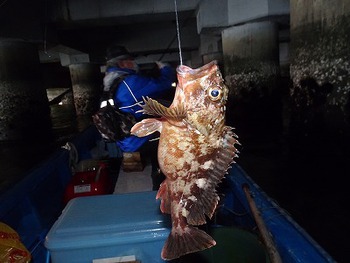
x,y
109,220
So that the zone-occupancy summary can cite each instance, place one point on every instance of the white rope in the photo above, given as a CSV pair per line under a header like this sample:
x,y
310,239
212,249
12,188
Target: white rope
x,y
132,94
138,103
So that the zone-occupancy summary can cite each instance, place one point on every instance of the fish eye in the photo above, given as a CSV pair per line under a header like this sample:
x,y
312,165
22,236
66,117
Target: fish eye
x,y
214,93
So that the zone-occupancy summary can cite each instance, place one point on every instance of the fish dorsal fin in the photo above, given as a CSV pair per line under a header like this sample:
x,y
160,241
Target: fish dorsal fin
x,y
208,199
153,107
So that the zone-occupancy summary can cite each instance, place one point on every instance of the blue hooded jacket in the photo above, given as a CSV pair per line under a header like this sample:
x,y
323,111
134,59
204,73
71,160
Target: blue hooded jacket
x,y
129,95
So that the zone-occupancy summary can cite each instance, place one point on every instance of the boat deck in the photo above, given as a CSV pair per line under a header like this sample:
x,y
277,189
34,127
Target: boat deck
x,y
129,182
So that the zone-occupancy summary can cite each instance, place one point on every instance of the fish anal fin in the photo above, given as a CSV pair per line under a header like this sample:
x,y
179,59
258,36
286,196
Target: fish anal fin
x,y
189,241
163,194
146,127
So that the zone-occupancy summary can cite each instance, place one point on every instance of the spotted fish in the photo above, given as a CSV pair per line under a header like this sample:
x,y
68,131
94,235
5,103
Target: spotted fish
x,y
195,151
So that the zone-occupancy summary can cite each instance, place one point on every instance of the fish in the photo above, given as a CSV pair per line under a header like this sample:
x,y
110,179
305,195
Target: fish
x,y
195,151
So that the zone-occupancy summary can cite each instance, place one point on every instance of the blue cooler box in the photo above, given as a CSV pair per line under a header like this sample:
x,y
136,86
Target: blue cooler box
x,y
109,226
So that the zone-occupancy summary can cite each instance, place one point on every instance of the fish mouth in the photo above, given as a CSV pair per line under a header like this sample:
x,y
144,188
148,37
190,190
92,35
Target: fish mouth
x,y
184,70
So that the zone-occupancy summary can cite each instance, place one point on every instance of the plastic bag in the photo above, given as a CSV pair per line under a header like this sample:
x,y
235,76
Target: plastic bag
x,y
11,248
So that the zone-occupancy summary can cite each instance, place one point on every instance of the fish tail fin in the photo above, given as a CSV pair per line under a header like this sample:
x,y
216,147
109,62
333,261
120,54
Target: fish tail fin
x,y
190,240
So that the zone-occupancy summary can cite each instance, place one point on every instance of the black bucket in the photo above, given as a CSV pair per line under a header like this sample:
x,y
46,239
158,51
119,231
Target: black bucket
x,y
232,245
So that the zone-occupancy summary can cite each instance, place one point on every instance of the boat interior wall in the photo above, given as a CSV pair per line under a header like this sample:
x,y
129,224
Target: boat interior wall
x,y
292,241
33,205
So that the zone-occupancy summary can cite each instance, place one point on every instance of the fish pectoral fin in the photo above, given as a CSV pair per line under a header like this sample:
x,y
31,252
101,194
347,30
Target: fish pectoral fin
x,y
153,107
190,240
146,127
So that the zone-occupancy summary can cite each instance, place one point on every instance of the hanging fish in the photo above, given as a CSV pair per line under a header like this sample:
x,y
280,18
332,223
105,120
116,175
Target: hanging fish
x,y
195,151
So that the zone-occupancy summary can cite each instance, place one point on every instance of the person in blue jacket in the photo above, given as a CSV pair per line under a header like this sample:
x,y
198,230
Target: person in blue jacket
x,y
129,93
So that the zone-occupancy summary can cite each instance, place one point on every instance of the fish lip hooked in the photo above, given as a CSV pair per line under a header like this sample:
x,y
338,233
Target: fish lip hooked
x,y
184,70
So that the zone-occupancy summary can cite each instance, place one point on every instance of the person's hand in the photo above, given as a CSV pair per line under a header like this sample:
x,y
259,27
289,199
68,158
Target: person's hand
x,y
161,64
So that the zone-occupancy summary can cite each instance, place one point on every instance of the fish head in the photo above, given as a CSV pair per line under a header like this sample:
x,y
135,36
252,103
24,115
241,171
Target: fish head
x,y
203,95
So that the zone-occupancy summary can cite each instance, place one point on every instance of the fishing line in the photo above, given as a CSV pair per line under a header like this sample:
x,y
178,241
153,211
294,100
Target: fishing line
x,y
181,25
178,32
